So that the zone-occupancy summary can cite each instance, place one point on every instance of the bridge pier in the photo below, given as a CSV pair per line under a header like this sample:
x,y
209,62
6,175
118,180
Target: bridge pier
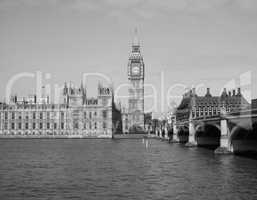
x,y
156,132
160,132
191,139
225,144
175,133
166,132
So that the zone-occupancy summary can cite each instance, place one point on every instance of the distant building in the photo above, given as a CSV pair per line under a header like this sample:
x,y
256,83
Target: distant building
x,y
254,103
148,121
76,116
125,121
155,125
208,105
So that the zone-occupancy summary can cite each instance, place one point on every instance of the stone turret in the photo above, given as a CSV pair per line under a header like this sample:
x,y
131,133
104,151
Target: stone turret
x,y
105,95
208,93
239,92
224,93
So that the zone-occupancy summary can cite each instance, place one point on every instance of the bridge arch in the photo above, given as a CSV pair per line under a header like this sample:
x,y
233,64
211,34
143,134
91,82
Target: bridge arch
x,y
243,139
170,133
208,135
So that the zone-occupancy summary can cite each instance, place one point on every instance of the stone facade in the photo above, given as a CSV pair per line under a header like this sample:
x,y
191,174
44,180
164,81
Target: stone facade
x,y
194,106
133,117
254,103
76,116
213,121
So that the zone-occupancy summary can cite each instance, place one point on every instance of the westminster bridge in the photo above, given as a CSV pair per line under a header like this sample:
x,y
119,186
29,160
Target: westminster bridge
x,y
233,132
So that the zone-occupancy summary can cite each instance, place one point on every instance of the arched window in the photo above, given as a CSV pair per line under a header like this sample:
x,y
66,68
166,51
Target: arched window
x,y
104,114
104,125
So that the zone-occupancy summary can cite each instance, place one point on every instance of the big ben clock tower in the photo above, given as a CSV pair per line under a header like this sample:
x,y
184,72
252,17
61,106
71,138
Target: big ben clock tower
x,y
136,73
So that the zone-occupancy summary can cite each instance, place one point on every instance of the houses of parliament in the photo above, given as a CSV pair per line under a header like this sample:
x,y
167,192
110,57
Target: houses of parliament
x,y
77,115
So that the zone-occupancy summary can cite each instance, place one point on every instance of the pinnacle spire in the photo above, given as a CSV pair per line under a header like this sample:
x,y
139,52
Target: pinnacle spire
x,y
81,84
135,39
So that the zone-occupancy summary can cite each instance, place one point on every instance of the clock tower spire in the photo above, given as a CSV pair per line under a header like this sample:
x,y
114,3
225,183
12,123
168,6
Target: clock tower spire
x,y
136,70
135,39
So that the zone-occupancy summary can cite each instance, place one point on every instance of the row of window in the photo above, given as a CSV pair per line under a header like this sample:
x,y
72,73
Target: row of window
x,y
48,126
236,102
228,109
215,107
47,115
32,126
206,113
89,126
201,112
31,115
47,133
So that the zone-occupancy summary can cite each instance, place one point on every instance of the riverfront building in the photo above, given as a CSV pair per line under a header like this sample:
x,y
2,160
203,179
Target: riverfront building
x,y
208,105
254,103
76,116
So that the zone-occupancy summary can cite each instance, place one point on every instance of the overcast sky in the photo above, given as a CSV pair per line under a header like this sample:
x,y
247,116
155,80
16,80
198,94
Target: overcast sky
x,y
208,42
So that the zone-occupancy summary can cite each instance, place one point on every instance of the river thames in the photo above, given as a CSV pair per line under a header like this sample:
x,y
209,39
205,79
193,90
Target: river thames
x,y
121,169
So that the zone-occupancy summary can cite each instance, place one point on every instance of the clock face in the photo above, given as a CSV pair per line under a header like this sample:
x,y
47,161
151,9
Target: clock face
x,y
135,70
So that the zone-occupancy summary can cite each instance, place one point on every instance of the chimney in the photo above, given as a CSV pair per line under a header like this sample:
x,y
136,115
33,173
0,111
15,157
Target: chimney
x,y
35,99
193,91
234,92
224,93
239,91
229,93
208,94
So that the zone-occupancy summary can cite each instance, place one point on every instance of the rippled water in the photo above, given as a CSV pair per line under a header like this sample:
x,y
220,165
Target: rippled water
x,y
120,169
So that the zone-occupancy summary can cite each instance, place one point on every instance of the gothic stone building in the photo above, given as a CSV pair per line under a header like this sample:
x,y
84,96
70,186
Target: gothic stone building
x,y
76,116
208,105
133,117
